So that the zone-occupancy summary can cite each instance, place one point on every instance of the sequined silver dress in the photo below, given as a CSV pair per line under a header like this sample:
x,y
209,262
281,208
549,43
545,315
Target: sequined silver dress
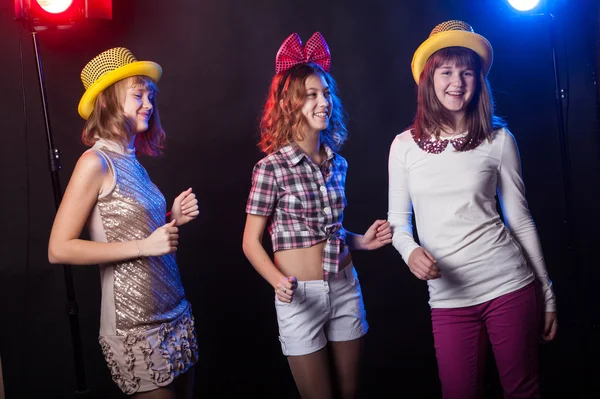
x,y
147,330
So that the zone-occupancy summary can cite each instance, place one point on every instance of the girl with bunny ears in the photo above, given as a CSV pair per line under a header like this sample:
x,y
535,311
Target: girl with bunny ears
x,y
298,194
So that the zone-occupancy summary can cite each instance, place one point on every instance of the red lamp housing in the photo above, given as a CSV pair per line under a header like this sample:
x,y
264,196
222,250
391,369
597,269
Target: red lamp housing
x,y
43,14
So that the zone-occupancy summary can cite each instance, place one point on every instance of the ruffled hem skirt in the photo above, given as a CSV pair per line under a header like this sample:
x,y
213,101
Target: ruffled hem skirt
x,y
147,360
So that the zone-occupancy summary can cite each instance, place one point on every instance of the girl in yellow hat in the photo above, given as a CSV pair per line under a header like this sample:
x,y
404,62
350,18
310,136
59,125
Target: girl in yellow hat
x,y
147,329
486,276
298,194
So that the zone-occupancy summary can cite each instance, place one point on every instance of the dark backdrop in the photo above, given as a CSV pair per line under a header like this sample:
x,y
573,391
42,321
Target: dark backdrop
x,y
218,58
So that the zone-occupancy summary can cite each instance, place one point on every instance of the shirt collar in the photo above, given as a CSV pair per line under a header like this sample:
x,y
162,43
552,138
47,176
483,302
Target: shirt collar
x,y
294,154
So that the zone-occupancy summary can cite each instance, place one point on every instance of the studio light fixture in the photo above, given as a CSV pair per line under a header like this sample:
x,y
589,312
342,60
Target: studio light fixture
x,y
38,16
524,5
46,14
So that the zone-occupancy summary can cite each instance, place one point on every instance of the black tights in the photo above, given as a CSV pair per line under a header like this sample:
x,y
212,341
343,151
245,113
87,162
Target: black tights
x,y
313,376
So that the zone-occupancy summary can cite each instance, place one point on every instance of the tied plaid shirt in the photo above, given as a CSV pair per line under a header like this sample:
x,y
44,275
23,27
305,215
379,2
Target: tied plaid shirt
x,y
304,202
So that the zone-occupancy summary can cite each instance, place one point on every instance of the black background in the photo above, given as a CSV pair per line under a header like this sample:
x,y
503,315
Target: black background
x,y
218,59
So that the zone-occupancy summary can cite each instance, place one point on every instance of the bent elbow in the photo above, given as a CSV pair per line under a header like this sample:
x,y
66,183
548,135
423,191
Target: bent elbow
x,y
55,255
52,258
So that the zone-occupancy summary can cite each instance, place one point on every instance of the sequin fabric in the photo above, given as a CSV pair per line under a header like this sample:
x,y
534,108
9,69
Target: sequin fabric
x,y
451,25
292,53
147,290
104,63
433,145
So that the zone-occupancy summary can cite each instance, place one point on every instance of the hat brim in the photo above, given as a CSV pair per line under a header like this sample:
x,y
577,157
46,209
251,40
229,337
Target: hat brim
x,y
452,38
143,68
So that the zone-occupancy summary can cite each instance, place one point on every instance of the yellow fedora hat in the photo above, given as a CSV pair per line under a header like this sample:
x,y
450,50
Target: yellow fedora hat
x,y
109,67
450,34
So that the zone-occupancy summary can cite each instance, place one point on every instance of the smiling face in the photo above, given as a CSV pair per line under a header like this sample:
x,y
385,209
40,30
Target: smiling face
x,y
449,92
454,97
317,106
138,106
454,87
302,100
127,111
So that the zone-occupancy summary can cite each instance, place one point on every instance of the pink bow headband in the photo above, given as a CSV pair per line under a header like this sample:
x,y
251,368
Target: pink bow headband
x,y
292,53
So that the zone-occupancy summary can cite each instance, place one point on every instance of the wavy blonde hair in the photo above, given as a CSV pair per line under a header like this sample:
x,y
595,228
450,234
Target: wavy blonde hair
x,y
282,120
108,121
432,116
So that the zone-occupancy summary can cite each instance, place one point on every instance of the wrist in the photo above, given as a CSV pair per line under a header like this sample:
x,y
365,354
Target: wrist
x,y
359,242
353,241
406,254
140,248
275,279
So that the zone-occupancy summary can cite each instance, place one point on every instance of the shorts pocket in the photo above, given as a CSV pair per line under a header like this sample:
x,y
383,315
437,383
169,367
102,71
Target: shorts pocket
x,y
298,297
350,274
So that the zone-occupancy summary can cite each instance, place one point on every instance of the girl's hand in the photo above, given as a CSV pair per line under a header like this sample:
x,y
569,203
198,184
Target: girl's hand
x,y
423,265
550,327
285,289
162,241
185,208
378,235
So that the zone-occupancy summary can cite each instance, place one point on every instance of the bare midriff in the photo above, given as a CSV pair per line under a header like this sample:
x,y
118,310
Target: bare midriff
x,y
307,263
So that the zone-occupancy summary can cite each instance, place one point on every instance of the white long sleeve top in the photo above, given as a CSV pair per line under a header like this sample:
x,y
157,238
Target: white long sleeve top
x,y
453,196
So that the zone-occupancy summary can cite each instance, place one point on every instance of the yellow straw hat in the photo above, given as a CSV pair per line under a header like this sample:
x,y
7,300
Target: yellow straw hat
x,y
109,67
450,34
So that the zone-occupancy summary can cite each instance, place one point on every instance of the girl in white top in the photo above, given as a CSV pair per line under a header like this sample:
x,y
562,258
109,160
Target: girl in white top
x,y
480,269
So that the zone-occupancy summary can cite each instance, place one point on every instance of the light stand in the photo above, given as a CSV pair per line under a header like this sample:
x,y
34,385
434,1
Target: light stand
x,y
71,306
561,95
41,15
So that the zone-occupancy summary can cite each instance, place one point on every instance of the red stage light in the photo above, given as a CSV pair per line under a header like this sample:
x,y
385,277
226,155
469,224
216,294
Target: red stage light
x,y
55,6
43,14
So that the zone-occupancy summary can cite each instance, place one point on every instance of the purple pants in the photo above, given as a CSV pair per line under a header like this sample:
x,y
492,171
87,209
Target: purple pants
x,y
461,335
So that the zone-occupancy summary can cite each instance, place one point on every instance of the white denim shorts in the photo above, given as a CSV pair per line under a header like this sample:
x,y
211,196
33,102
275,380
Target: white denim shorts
x,y
322,311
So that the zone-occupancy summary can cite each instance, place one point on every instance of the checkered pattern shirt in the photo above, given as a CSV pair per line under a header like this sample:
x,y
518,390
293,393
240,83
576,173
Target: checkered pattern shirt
x,y
305,203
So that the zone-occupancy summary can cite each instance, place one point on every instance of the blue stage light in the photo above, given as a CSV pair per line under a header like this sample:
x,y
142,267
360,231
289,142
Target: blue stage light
x,y
523,5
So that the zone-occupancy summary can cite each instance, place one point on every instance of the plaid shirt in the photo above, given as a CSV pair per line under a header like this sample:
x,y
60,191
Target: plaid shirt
x,y
305,204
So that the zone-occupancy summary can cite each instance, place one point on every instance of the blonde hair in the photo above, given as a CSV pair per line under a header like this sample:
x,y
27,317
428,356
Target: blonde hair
x,y
282,120
108,120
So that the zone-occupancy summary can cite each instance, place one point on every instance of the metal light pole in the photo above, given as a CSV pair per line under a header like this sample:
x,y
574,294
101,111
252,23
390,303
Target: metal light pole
x,y
54,164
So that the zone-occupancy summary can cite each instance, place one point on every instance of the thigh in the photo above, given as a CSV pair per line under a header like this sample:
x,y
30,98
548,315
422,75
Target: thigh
x,y
460,340
347,357
184,384
348,319
513,323
311,374
161,393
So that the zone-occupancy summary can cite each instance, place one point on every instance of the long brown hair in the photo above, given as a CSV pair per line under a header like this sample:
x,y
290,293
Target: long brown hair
x,y
108,121
282,120
432,116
